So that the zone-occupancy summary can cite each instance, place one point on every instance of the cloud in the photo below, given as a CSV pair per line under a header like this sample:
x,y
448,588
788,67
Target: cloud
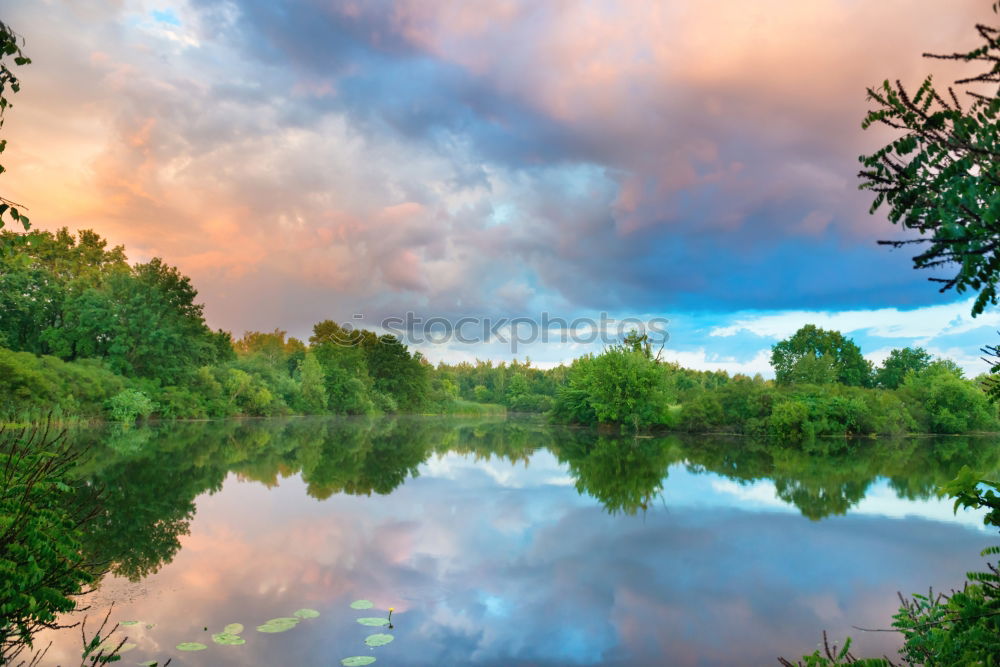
x,y
316,158
922,323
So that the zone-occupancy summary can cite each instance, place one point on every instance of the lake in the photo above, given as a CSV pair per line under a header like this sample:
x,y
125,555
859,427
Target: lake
x,y
513,542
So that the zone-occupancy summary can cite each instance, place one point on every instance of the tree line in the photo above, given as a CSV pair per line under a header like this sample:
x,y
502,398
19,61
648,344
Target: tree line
x,y
84,334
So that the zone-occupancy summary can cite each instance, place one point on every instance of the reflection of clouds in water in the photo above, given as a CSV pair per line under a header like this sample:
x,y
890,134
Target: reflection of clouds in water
x,y
500,569
544,470
757,494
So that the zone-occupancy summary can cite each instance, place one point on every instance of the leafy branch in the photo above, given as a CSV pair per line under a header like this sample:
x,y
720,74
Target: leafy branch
x,y
941,178
10,46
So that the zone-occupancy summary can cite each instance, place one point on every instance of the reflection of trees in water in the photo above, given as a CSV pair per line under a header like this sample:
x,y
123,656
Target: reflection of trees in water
x,y
151,476
829,480
623,473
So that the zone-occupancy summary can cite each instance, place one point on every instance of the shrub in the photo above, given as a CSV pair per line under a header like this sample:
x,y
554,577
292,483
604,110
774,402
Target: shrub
x,y
384,402
41,539
702,413
129,405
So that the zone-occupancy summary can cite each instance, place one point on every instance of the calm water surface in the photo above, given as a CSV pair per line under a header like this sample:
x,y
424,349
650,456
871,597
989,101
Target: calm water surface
x,y
509,542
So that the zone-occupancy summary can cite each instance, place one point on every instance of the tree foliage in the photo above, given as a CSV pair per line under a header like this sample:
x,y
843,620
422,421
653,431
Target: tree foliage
x,y
10,54
42,564
817,356
899,363
623,385
941,177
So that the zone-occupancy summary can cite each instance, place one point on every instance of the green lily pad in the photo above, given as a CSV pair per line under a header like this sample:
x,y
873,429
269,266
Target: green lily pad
x,y
228,639
362,604
233,629
129,623
149,626
279,624
306,613
283,619
374,622
126,648
149,663
380,639
357,661
191,646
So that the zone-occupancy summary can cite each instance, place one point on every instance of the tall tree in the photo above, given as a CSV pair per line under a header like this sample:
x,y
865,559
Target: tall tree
x,y
396,372
314,399
40,275
819,356
893,370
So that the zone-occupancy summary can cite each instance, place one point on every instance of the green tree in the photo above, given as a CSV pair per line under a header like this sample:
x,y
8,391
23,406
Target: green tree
x,y
943,402
314,399
394,371
621,385
893,370
147,324
345,376
41,274
817,356
639,343
941,178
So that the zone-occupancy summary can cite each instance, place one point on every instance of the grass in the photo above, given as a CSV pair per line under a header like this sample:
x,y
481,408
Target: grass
x,y
469,408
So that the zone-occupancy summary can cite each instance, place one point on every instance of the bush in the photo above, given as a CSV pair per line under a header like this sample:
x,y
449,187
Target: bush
x,y
384,402
703,413
790,422
41,567
129,405
530,403
619,386
180,403
943,402
34,386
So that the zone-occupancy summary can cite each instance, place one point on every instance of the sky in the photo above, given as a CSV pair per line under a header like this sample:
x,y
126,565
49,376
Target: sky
x,y
320,159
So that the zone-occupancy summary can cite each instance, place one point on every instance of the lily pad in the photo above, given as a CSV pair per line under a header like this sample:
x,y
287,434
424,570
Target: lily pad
x,y
233,629
129,623
228,639
149,626
283,619
191,646
306,613
362,604
374,622
380,639
149,663
357,661
279,624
